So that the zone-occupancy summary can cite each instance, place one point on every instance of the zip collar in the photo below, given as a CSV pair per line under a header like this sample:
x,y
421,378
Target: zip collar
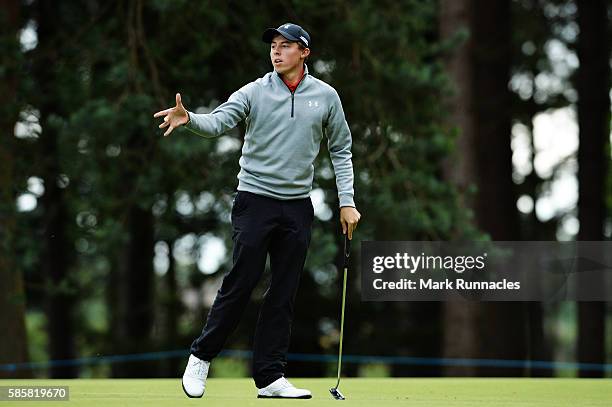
x,y
274,73
284,85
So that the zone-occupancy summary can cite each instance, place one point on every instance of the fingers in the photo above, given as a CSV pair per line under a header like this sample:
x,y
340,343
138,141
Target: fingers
x,y
349,226
167,111
162,113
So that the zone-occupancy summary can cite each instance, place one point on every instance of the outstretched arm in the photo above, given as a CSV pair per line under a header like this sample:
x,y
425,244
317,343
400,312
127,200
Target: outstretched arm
x,y
225,117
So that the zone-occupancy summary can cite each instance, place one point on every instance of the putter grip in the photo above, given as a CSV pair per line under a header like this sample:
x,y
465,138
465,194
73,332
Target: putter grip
x,y
347,250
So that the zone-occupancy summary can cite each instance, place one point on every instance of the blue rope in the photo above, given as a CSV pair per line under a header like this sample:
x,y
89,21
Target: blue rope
x,y
310,357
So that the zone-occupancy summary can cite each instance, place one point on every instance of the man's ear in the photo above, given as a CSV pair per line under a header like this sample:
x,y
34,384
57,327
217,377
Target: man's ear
x,y
305,52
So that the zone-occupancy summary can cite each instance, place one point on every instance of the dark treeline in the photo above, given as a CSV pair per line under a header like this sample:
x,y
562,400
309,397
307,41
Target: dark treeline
x,y
103,220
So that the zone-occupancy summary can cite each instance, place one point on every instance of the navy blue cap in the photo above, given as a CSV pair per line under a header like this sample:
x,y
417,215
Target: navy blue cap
x,y
292,32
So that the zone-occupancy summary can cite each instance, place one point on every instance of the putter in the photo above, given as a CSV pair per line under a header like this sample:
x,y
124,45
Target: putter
x,y
347,250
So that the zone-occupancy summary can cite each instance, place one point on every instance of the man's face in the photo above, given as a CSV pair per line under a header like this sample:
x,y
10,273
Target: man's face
x,y
286,55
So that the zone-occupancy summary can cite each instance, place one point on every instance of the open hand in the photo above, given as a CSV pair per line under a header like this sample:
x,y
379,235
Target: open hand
x,y
173,117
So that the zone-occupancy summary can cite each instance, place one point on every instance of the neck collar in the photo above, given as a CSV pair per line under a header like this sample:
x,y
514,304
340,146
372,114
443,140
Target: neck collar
x,y
281,79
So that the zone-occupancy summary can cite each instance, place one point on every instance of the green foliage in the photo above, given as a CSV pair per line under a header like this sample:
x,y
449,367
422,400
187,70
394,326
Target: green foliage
x,y
121,62
228,367
37,337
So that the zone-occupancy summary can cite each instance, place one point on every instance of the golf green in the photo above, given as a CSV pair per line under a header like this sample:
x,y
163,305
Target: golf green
x,y
429,392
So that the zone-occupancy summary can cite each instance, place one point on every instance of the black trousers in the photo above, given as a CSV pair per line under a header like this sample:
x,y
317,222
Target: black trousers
x,y
261,225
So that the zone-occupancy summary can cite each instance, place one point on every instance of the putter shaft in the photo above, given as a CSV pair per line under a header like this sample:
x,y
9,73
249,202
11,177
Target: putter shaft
x,y
341,327
347,248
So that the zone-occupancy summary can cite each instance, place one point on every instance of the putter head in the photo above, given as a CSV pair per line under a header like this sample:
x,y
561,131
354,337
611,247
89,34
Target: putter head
x,y
336,393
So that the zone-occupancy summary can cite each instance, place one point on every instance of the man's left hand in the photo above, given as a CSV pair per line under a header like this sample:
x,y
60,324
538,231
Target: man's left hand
x,y
349,217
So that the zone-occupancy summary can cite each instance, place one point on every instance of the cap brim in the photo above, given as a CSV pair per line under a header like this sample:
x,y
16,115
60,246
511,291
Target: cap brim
x,y
269,34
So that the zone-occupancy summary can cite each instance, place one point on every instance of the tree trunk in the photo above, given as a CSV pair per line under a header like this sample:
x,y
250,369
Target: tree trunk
x,y
480,70
173,310
135,286
13,346
61,296
460,318
504,325
538,342
592,85
57,252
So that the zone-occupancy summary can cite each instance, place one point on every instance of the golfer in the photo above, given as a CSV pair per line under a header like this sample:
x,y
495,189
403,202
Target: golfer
x,y
287,112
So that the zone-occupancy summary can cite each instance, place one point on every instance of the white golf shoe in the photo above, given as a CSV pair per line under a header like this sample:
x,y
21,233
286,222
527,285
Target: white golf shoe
x,y
282,389
194,378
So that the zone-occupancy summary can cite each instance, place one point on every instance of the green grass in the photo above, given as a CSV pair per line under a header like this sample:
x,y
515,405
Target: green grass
x,y
473,392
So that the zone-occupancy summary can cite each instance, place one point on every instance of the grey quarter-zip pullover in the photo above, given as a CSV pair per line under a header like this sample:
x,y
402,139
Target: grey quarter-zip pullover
x,y
283,135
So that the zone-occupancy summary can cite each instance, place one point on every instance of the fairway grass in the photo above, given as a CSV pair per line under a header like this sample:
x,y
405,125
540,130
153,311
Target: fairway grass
x,y
429,392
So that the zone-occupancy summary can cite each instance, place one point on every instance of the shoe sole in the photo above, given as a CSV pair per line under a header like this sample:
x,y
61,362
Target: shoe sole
x,y
306,396
189,395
